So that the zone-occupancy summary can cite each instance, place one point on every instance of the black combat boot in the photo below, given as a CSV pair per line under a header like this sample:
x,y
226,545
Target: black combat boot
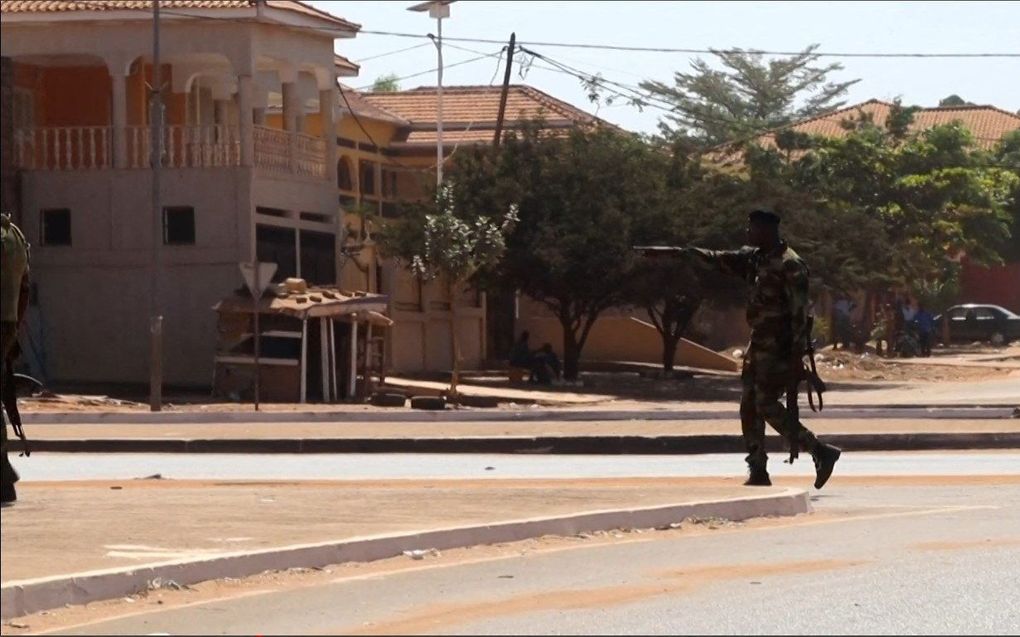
x,y
758,476
825,457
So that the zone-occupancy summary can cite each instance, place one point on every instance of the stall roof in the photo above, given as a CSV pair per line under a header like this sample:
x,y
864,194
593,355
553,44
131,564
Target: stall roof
x,y
317,302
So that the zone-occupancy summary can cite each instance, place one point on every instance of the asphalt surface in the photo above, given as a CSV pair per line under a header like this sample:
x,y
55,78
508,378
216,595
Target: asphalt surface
x,y
872,559
57,466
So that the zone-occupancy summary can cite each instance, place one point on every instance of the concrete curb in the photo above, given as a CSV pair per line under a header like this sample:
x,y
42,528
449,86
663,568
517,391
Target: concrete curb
x,y
565,445
23,597
994,411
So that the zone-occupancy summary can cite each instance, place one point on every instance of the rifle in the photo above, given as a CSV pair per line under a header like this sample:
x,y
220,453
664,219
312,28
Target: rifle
x,y
809,373
10,403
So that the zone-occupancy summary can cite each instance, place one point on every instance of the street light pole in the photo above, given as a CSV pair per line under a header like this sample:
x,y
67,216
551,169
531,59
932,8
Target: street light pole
x,y
439,100
437,9
156,159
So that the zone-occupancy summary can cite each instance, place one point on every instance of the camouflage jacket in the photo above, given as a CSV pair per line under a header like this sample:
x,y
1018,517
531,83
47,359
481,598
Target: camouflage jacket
x,y
777,309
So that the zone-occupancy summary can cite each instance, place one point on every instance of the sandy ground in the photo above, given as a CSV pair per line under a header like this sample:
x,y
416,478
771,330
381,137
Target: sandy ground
x,y
131,522
306,578
611,389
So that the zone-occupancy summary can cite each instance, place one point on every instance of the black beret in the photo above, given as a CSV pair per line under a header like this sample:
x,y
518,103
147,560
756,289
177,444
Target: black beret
x,y
765,217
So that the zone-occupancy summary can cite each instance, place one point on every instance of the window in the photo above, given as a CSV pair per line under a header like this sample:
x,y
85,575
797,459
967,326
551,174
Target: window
x,y
389,183
277,245
344,179
56,227
318,257
367,170
179,226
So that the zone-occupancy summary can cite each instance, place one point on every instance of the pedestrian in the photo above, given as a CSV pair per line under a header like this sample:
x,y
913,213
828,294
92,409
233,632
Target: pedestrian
x,y
924,323
519,358
14,259
780,336
844,308
545,366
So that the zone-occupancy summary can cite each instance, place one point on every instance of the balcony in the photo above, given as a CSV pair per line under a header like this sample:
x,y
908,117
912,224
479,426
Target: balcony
x,y
84,148
282,152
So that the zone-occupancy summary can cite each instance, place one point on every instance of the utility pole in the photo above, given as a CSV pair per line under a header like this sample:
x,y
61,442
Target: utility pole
x,y
156,158
506,89
500,303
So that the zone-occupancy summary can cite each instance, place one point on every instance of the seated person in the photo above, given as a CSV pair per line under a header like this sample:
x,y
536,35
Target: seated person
x,y
545,366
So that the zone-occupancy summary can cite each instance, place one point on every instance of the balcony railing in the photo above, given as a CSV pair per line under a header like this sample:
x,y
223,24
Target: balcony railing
x,y
284,152
78,148
63,148
187,146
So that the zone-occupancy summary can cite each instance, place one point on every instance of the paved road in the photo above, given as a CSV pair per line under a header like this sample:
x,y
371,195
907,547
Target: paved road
x,y
873,559
56,466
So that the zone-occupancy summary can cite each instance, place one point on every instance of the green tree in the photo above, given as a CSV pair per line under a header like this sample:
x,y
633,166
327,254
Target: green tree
x,y
441,245
579,196
697,208
388,83
954,100
748,95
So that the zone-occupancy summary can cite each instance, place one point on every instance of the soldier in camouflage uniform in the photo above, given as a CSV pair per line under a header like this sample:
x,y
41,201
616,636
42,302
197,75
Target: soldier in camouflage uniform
x,y
13,301
777,312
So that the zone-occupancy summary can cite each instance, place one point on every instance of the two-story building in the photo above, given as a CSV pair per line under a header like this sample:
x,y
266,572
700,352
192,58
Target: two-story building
x,y
235,183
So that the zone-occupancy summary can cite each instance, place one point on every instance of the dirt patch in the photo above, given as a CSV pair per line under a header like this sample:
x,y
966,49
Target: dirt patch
x,y
443,616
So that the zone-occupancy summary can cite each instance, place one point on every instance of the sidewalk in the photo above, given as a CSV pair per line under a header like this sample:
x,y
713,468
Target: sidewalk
x,y
720,434
72,542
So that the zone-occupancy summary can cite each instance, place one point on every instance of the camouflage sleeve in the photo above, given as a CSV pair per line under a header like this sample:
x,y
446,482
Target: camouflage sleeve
x,y
734,262
796,282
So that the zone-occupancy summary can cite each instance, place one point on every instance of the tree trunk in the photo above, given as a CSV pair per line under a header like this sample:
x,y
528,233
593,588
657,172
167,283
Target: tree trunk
x,y
454,343
669,347
571,352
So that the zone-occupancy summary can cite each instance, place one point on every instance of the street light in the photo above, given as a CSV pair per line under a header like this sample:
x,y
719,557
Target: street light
x,y
437,9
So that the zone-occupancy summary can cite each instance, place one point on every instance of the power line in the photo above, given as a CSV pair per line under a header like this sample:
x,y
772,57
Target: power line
x,y
432,70
644,49
614,47
388,53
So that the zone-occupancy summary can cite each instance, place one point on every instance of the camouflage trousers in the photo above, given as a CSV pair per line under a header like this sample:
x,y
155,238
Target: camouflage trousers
x,y
8,337
764,379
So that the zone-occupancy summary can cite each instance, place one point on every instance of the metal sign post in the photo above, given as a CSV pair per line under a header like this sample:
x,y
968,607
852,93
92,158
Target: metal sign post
x,y
257,276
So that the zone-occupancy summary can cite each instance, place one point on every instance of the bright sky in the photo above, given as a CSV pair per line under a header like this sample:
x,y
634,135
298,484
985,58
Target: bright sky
x,y
847,27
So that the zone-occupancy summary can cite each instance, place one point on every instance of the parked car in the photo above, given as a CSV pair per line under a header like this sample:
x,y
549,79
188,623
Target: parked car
x,y
972,322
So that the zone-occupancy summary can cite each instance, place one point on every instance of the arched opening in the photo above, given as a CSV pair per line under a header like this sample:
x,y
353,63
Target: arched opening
x,y
344,175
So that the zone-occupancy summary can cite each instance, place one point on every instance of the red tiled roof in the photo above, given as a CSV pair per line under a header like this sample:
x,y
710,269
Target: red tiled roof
x,y
345,67
478,104
470,112
988,124
363,108
63,6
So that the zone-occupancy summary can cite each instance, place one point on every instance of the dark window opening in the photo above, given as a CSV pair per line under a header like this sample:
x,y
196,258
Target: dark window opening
x,y
179,225
344,178
312,216
277,245
367,170
318,257
56,227
271,212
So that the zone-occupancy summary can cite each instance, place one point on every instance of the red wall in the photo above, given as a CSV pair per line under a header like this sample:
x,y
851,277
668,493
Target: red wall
x,y
998,285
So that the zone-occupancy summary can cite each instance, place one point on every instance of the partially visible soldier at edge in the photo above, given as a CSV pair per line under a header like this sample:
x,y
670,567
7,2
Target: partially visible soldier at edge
x,y
14,300
777,312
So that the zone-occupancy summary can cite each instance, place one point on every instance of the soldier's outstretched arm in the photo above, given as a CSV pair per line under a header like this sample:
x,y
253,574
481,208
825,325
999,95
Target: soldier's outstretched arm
x,y
735,262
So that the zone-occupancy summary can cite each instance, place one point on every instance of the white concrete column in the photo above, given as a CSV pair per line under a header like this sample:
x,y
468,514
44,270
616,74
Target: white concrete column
x,y
244,119
220,111
327,106
119,124
291,110
291,106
